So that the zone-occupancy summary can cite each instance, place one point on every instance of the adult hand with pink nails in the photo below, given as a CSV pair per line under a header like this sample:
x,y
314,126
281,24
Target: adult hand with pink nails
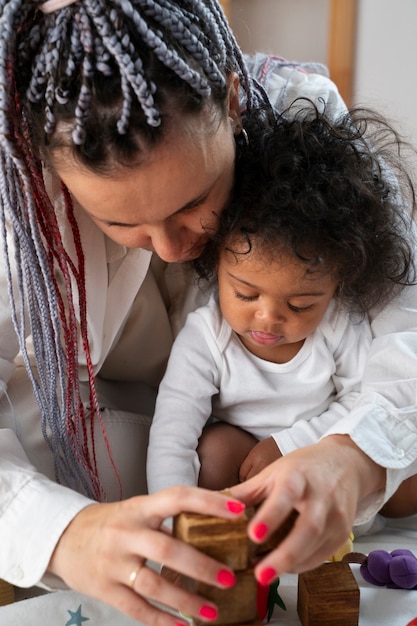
x,y
105,549
325,483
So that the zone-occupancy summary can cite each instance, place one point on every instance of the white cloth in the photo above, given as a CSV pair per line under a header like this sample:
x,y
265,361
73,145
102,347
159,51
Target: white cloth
x,y
130,334
211,373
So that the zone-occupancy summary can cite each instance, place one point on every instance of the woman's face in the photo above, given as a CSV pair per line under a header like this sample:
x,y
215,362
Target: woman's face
x,y
167,201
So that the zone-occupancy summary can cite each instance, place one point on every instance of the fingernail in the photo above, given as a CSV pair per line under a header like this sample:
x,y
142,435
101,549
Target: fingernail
x,y
266,576
260,530
208,612
235,507
226,578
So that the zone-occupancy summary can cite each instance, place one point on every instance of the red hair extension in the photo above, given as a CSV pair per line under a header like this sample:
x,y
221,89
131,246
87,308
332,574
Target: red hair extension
x,y
57,256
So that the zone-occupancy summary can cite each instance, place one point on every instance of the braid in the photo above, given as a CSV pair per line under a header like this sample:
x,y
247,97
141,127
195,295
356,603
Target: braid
x,y
103,70
38,251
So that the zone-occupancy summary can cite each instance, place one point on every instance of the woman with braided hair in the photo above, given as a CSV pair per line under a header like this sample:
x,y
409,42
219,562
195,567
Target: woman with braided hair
x,y
119,126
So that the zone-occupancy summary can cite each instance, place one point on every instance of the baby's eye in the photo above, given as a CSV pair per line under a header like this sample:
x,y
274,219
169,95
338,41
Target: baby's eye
x,y
242,296
299,309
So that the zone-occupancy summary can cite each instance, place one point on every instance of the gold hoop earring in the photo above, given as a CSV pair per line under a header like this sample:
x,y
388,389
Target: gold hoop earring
x,y
245,136
241,136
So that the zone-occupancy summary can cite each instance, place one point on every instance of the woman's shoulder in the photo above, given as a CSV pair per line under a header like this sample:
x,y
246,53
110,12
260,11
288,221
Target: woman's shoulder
x,y
285,81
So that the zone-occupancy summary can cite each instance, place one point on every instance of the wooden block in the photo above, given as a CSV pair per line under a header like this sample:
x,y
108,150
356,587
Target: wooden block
x,y
223,540
7,595
237,604
258,549
328,595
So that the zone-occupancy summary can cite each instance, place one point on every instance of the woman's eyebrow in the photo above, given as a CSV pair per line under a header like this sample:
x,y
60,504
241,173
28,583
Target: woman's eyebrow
x,y
192,204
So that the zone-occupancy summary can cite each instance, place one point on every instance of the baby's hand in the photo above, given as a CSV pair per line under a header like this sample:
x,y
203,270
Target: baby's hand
x,y
261,455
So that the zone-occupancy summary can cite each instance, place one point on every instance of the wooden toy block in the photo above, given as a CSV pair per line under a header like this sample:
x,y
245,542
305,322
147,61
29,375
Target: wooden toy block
x,y
275,539
227,541
237,604
7,595
328,595
223,540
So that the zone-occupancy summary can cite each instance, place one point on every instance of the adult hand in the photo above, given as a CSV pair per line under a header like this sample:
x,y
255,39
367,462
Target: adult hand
x,y
325,483
261,455
103,553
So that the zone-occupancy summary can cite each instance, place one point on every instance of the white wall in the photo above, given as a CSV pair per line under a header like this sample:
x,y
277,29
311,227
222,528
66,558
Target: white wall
x,y
386,57
386,61
294,29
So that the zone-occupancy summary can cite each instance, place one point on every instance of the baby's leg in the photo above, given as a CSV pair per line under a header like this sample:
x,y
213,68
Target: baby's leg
x,y
222,449
404,501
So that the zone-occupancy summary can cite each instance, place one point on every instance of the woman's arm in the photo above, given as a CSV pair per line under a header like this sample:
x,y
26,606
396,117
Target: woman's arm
x,y
383,421
34,511
324,483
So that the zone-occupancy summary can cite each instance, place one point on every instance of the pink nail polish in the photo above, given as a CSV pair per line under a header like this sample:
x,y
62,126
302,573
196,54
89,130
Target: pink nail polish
x,y
208,612
266,576
226,578
235,507
260,531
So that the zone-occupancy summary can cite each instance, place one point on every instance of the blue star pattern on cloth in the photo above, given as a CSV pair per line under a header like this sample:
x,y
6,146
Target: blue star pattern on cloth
x,y
76,618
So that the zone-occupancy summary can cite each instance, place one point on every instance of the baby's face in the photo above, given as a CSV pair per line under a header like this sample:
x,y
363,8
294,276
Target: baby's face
x,y
272,306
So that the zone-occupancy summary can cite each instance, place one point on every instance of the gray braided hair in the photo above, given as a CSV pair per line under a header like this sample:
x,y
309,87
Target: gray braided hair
x,y
97,77
118,70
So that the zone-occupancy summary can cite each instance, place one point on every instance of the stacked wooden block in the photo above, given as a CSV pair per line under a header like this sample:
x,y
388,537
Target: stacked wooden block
x,y
327,595
227,541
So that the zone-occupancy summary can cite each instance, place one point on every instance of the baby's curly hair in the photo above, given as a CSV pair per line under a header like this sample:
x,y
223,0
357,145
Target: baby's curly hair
x,y
335,193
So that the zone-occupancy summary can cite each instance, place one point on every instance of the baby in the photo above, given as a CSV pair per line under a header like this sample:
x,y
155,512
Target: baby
x,y
311,241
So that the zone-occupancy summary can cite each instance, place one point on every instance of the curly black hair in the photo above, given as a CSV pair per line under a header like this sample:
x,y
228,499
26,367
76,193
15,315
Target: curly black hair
x,y
336,193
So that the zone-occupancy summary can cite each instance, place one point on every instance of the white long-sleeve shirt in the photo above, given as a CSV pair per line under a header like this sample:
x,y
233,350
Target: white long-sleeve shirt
x,y
130,333
211,373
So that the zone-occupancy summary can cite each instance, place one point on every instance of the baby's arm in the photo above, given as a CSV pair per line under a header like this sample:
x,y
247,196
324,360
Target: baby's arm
x,y
182,409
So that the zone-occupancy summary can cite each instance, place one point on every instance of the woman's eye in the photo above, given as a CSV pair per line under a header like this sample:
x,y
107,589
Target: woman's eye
x,y
242,296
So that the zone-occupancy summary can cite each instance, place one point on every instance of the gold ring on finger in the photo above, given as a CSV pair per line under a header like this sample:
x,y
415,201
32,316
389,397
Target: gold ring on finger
x,y
134,575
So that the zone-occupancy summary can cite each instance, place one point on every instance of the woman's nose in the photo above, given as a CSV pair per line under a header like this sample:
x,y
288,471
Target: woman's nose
x,y
170,244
